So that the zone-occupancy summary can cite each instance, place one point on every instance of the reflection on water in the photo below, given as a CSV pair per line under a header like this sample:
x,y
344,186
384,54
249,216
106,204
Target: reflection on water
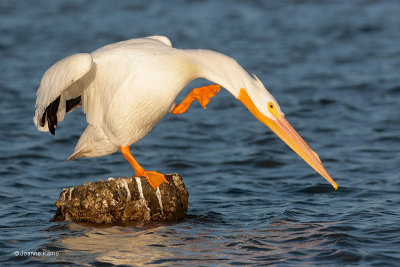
x,y
179,244
116,245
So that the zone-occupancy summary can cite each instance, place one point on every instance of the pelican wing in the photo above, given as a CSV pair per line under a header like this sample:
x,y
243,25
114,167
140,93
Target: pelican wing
x,y
58,92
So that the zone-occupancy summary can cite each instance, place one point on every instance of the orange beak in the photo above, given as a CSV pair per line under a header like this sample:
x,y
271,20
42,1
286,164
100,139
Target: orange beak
x,y
285,131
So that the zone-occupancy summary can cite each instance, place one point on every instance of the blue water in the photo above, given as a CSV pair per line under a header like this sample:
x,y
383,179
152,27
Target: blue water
x,y
332,65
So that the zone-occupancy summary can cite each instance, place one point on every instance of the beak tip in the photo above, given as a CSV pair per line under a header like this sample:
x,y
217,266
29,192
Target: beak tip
x,y
335,185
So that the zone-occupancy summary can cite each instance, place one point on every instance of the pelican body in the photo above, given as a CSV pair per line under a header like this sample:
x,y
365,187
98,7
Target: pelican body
x,y
125,88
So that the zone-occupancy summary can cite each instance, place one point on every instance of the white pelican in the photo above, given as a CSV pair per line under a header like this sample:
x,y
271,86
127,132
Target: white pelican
x,y
125,88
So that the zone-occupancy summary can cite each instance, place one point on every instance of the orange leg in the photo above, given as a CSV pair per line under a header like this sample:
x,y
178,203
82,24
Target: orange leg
x,y
154,178
202,94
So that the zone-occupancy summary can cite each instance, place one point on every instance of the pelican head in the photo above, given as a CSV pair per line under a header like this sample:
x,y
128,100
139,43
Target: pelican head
x,y
266,109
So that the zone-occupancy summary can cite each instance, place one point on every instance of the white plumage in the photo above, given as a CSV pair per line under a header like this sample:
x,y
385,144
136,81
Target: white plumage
x,y
127,87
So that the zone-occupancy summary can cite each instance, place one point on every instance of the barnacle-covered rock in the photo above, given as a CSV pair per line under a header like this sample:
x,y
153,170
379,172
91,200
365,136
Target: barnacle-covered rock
x,y
123,200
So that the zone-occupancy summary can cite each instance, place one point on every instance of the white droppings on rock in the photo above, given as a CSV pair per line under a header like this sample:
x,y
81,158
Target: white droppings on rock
x,y
110,179
176,180
128,192
140,188
158,193
70,193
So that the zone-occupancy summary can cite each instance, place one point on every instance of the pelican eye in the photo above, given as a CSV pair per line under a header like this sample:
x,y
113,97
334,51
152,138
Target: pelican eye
x,y
273,110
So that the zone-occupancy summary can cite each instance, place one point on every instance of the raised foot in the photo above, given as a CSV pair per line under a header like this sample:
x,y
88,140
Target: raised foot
x,y
154,178
202,94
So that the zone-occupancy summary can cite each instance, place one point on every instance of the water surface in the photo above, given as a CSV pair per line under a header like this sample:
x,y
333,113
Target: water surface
x,y
332,65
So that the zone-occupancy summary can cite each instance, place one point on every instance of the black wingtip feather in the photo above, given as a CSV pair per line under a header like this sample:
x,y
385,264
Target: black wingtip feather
x,y
73,103
51,114
43,119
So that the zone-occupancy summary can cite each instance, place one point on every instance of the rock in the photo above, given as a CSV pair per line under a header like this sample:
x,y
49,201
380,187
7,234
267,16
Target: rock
x,y
123,200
